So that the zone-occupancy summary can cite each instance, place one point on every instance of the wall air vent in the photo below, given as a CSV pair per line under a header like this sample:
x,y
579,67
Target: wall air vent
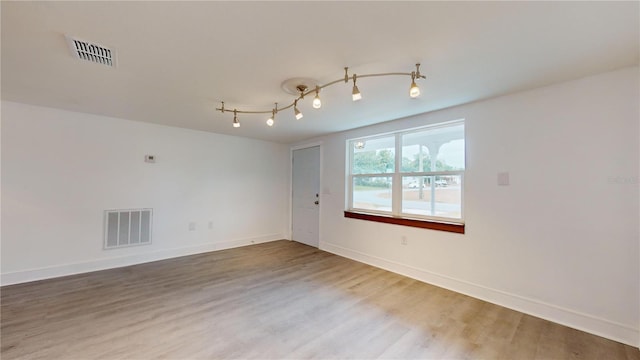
x,y
92,52
127,227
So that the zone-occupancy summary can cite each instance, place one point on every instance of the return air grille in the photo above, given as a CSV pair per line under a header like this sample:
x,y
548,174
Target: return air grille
x,y
92,52
127,227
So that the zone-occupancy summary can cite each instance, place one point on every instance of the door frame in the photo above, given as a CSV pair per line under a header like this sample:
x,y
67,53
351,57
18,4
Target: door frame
x,y
320,191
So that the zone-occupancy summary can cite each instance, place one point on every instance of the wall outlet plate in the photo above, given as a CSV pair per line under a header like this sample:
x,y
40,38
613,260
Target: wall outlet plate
x,y
503,178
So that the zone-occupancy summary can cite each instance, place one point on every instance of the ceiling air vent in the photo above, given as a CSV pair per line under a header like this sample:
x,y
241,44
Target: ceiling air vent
x,y
93,52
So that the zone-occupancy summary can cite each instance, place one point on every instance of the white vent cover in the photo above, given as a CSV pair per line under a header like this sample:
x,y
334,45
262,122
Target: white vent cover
x,y
127,227
93,52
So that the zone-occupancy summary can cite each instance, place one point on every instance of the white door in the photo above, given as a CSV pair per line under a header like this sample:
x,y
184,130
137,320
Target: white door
x,y
305,202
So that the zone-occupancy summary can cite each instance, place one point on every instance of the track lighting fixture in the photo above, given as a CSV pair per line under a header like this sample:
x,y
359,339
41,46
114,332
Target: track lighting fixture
x,y
317,103
355,94
301,88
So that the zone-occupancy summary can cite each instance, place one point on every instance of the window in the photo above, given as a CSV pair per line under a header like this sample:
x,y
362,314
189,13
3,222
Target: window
x,y
416,174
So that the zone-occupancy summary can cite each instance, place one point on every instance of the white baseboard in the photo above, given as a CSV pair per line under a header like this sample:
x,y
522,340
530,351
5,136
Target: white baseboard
x,y
608,329
115,262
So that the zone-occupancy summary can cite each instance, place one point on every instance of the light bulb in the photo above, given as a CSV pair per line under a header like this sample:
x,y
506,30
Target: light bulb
x,y
355,94
236,122
297,113
270,121
414,91
317,103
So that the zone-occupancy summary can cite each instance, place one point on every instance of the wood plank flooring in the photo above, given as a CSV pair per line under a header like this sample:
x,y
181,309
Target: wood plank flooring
x,y
275,300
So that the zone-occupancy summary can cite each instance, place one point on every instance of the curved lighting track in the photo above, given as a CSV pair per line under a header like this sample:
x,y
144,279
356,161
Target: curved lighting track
x,y
414,91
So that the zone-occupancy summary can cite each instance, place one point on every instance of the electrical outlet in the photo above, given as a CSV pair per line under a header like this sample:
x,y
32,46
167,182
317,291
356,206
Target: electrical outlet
x,y
210,225
403,240
192,226
503,179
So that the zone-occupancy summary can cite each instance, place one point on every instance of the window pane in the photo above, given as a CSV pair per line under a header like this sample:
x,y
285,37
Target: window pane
x,y
451,156
446,192
372,193
436,149
376,156
415,158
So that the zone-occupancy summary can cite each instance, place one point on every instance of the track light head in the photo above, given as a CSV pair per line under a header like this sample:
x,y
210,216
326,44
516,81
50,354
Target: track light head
x,y
236,122
355,94
317,103
414,90
296,111
271,121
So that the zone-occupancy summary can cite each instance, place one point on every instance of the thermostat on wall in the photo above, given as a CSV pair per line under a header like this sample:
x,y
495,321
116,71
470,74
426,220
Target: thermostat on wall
x,y
150,158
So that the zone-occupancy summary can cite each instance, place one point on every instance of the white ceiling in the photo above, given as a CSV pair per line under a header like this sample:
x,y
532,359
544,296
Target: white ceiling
x,y
177,60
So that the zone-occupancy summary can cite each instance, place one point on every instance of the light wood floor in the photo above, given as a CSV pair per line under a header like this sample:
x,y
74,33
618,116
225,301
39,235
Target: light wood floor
x,y
273,300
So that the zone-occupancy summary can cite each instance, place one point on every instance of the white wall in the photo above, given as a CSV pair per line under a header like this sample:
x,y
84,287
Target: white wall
x,y
561,242
61,170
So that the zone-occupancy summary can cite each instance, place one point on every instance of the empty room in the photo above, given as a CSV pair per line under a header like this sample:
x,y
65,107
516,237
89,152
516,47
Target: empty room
x,y
326,180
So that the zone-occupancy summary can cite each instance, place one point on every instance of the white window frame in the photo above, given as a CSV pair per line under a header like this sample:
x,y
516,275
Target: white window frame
x,y
398,175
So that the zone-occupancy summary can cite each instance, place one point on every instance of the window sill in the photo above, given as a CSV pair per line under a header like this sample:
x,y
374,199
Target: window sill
x,y
424,224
